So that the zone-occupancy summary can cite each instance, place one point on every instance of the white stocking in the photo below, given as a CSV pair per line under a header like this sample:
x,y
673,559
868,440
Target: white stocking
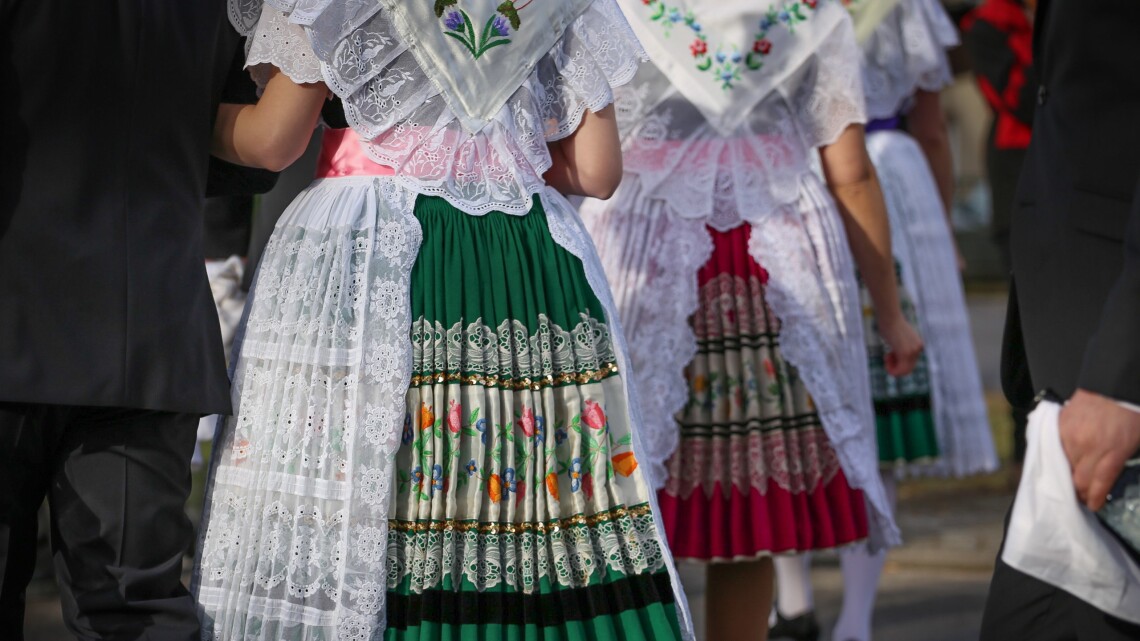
x,y
861,571
793,585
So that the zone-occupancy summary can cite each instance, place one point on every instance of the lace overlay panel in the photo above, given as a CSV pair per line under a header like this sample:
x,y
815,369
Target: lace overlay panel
x,y
812,291
300,490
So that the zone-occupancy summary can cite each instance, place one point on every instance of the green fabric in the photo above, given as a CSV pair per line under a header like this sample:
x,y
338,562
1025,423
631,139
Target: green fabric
x,y
657,621
516,415
497,267
906,436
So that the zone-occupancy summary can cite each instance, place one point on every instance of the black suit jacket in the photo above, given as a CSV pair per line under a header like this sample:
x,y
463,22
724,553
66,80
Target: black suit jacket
x,y
1076,231
104,131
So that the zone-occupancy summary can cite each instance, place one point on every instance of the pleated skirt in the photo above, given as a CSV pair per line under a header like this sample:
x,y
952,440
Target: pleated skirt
x,y
519,510
755,473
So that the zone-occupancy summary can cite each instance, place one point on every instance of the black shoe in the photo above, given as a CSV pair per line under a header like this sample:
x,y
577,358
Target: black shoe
x,y
801,628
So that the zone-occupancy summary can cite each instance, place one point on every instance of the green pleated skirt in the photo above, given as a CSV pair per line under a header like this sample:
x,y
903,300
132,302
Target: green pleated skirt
x,y
520,512
904,420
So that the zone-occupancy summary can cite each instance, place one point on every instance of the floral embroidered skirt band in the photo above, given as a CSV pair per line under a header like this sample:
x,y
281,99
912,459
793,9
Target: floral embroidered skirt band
x,y
755,473
520,512
904,420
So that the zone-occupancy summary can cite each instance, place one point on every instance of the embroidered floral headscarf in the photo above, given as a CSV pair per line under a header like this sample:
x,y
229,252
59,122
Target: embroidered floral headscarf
x,y
725,56
467,46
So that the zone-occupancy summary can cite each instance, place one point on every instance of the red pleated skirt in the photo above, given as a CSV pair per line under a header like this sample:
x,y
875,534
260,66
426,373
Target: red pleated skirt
x,y
754,473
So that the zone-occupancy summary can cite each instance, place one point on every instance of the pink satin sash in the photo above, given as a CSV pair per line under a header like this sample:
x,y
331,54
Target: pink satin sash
x,y
343,155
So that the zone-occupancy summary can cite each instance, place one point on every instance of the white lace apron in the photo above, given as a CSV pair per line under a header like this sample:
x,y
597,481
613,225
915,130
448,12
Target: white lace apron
x,y
725,149
295,538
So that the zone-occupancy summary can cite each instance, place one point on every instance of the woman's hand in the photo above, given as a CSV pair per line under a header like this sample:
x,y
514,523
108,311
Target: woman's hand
x,y
904,345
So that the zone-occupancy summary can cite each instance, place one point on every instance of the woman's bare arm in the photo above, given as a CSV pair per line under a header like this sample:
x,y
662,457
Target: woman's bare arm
x,y
273,133
588,161
851,178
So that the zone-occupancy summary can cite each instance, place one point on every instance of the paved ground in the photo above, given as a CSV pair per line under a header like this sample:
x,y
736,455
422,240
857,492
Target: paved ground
x,y
933,587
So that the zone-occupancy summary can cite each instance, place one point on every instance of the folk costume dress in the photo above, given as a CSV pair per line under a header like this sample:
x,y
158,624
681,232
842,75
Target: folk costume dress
x,y
434,434
733,278
933,421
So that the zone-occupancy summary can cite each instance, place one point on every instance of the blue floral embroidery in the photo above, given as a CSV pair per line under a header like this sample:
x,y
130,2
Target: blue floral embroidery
x,y
509,480
408,434
575,474
539,429
496,30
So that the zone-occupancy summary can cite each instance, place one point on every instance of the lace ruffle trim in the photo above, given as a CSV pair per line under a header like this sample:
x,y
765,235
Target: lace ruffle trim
x,y
390,101
905,54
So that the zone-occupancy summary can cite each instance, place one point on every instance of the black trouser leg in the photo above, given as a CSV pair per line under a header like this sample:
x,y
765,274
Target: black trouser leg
x,y
119,528
1021,607
24,472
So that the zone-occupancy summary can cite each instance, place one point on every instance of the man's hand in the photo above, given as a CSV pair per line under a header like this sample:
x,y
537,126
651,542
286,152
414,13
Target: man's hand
x,y
1098,436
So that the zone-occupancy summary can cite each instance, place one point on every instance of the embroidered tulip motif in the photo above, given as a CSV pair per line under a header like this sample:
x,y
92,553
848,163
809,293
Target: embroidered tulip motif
x,y
526,422
495,488
588,486
454,423
496,30
552,485
624,463
427,417
594,417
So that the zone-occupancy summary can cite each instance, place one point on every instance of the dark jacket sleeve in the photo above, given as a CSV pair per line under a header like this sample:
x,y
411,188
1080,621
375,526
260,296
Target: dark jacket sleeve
x,y
1112,360
228,179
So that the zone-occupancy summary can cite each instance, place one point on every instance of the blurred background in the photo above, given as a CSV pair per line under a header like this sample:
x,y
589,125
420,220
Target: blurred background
x,y
934,586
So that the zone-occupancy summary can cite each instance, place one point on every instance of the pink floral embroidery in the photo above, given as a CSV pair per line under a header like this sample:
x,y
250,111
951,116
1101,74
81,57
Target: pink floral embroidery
x,y
594,417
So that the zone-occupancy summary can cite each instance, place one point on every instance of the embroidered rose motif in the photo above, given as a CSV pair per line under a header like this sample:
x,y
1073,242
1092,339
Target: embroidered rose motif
x,y
594,417
762,47
699,47
588,486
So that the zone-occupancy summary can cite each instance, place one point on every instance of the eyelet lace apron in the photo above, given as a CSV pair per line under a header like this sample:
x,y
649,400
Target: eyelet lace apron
x,y
434,437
